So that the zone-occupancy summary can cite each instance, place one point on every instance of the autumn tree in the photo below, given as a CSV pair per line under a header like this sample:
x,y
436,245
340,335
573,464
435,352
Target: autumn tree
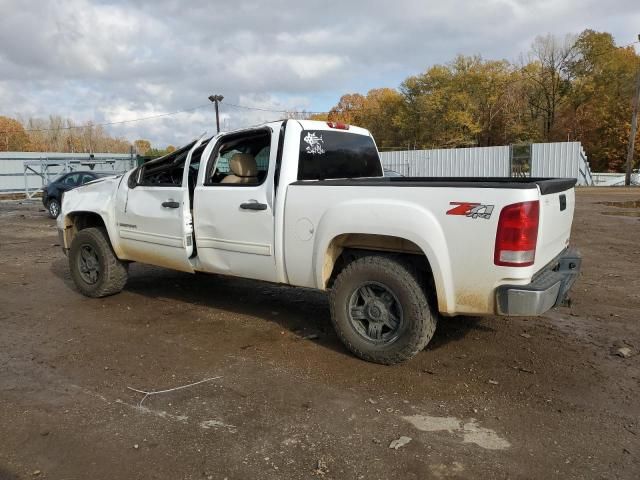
x,y
599,111
142,146
348,109
566,88
468,102
57,134
13,138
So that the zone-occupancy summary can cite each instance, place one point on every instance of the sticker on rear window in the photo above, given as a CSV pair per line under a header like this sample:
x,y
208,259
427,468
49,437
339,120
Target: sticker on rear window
x,y
314,143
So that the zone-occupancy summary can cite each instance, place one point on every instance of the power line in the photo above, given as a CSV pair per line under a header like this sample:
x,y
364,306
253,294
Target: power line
x,y
106,124
160,115
261,109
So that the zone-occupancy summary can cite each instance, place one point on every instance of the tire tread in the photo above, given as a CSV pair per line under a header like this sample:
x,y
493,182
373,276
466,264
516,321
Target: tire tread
x,y
114,273
421,329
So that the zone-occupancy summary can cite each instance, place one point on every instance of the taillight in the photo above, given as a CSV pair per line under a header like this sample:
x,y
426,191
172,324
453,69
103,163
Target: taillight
x,y
517,235
338,125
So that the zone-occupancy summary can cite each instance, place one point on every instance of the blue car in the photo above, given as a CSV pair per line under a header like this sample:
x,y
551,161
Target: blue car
x,y
52,193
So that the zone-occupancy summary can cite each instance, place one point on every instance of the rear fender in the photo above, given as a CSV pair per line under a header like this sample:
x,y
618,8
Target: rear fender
x,y
397,219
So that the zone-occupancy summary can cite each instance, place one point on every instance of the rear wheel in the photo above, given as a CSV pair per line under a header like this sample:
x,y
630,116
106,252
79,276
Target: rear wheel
x,y
95,269
54,208
380,310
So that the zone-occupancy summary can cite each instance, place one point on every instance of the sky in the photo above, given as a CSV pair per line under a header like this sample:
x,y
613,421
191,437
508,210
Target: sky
x,y
116,60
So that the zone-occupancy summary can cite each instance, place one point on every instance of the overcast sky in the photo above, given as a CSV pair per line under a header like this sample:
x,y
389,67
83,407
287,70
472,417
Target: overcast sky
x,y
116,60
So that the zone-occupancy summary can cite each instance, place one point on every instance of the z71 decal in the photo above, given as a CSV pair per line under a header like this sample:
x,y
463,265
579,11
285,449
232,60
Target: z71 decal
x,y
469,209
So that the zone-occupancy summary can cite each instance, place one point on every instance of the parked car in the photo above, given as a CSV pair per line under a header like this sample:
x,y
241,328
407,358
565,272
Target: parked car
x,y
305,203
52,193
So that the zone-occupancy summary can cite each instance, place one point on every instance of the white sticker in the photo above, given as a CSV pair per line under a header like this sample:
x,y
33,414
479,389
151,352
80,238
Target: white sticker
x,y
314,143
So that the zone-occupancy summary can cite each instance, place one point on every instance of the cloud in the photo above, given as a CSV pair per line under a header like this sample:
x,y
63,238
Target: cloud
x,y
112,60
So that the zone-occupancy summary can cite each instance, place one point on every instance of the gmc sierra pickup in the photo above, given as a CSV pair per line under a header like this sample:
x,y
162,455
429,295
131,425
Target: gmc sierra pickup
x,y
306,203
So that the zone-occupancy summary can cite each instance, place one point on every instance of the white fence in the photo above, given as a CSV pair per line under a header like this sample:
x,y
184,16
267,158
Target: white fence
x,y
453,162
29,171
563,159
614,179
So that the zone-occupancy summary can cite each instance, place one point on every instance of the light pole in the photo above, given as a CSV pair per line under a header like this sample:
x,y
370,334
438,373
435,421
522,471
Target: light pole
x,y
216,99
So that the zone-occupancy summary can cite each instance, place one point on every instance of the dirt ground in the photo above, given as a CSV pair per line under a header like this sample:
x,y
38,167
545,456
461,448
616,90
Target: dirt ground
x,y
489,397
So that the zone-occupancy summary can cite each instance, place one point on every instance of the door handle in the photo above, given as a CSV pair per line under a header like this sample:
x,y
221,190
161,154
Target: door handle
x,y
170,204
253,205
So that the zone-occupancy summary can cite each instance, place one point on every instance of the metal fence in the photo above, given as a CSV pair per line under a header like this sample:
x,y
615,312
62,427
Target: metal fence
x,y
562,159
30,171
614,179
453,162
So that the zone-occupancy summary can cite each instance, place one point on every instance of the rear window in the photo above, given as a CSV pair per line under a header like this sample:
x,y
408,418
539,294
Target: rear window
x,y
326,154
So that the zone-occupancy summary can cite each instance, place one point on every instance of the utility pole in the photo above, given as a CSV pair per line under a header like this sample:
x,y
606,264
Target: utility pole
x,y
215,99
634,127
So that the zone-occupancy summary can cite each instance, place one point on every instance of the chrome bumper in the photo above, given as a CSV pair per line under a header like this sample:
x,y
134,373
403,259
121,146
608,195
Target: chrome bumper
x,y
548,289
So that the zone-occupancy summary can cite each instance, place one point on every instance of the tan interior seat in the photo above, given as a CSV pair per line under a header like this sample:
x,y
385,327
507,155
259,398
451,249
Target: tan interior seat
x,y
243,169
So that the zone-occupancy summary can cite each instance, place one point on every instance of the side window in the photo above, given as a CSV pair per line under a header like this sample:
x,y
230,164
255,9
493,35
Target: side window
x,y
241,160
72,180
165,171
86,178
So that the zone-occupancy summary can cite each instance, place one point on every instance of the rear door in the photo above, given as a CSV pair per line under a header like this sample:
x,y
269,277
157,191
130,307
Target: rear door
x,y
234,210
155,223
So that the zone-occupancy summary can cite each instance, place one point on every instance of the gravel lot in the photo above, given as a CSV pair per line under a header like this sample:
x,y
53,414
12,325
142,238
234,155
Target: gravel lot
x,y
489,398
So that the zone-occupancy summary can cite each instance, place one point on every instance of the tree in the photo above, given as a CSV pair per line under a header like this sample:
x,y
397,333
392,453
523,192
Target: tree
x,y
599,111
13,138
468,102
142,147
549,75
348,109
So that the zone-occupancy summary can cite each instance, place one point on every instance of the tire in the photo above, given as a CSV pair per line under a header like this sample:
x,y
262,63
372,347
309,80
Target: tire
x,y
390,283
53,207
95,269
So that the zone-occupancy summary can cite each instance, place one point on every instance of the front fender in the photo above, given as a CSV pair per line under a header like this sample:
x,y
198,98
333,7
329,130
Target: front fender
x,y
97,198
401,219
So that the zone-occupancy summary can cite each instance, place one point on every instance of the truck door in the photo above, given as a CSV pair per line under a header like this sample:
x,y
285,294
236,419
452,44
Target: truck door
x,y
233,205
155,223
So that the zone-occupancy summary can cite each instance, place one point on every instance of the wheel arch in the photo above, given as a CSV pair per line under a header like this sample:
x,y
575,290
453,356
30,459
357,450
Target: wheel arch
x,y
345,247
76,221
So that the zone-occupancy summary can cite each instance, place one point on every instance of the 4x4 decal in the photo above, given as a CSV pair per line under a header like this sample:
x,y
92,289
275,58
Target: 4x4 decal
x,y
470,209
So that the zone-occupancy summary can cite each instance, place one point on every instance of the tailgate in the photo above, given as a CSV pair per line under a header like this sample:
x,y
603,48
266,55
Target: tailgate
x,y
557,204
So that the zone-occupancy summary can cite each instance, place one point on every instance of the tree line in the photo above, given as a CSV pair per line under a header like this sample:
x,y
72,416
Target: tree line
x,y
575,88
57,134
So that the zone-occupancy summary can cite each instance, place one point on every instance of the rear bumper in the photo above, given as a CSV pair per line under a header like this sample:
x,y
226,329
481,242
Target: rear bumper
x,y
548,289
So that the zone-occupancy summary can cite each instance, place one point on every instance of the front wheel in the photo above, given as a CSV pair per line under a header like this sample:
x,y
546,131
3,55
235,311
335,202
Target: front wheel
x,y
95,269
380,310
54,208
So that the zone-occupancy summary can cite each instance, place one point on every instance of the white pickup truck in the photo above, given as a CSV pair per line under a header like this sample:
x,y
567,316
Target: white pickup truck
x,y
305,203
